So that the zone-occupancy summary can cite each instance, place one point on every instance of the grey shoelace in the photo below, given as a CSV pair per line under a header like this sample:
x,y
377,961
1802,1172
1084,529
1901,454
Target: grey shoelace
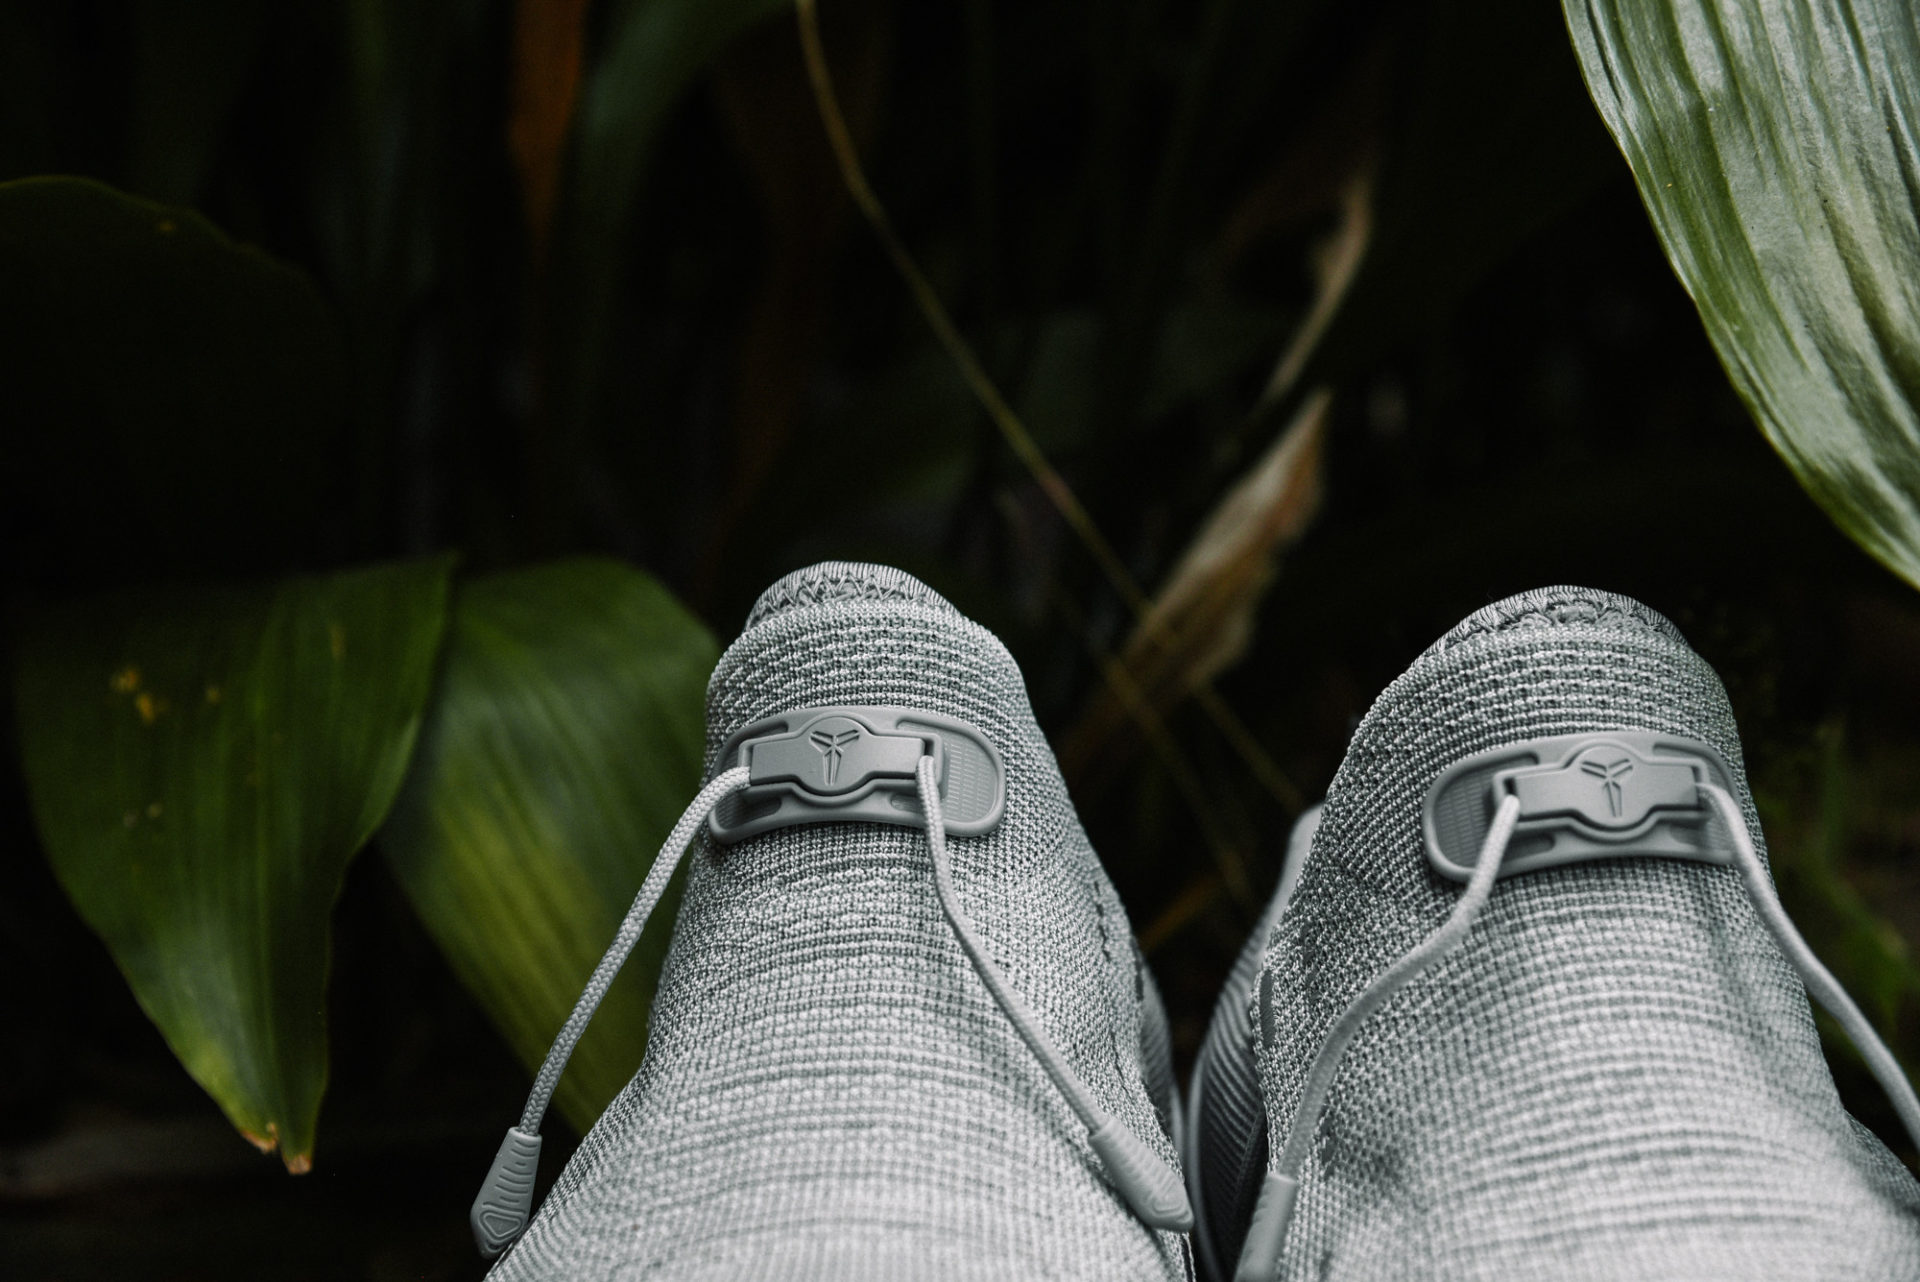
x,y
1152,1188
1260,1256
665,864
505,1201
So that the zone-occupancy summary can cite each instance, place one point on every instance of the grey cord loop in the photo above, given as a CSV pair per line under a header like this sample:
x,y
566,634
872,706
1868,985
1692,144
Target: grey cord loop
x,y
505,1202
1151,1188
1412,964
1821,984
1260,1256
655,885
1009,1002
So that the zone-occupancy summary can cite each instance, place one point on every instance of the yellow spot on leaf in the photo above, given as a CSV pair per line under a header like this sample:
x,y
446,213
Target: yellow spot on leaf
x,y
165,227
125,681
337,641
129,819
153,810
148,707
213,694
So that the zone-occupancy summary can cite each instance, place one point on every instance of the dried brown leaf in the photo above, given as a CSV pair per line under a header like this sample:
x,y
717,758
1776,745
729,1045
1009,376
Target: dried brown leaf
x,y
1201,621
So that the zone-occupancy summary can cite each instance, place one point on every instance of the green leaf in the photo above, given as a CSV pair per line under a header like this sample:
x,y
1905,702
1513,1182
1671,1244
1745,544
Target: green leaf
x,y
652,51
173,399
565,740
1777,150
202,766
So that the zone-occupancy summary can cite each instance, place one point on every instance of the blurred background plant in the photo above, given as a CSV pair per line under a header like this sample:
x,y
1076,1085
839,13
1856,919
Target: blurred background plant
x,y
403,402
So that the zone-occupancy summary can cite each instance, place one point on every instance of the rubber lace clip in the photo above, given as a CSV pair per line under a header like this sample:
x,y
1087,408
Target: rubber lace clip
x,y
839,764
1582,797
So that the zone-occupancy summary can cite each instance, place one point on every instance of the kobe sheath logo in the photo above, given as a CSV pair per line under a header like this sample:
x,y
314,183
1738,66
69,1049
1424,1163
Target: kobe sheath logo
x,y
1610,773
832,747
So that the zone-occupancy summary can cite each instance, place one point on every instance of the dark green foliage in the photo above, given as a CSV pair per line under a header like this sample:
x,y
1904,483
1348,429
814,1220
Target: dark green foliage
x,y
351,340
564,741
1775,150
202,766
177,401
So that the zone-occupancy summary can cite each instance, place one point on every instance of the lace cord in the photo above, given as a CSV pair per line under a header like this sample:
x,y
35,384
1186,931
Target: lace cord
x,y
1064,1078
1151,1187
655,885
1821,984
504,1205
1260,1256
1415,962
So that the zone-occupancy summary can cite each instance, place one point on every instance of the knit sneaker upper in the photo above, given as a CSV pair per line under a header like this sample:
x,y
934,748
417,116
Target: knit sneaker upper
x,y
1616,1075
828,1090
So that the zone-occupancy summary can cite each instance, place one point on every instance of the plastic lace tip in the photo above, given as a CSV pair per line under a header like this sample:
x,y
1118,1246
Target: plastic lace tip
x,y
505,1204
1267,1234
1151,1187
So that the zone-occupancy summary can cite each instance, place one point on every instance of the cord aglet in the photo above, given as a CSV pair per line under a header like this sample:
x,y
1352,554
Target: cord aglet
x,y
501,1211
1260,1255
1151,1187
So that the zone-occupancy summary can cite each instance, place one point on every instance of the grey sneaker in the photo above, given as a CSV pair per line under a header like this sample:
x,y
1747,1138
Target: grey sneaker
x,y
903,1031
1528,1007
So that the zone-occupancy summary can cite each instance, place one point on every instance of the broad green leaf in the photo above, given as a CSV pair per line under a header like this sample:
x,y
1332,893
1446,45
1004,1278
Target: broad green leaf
x,y
564,741
172,399
652,51
202,765
1777,150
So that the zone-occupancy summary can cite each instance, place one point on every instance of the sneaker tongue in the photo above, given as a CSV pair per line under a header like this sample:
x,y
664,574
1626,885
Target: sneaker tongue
x,y
843,634
1560,607
1556,661
832,581
1559,660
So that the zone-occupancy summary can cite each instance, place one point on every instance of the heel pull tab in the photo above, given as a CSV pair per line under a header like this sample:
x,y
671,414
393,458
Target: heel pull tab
x,y
505,1203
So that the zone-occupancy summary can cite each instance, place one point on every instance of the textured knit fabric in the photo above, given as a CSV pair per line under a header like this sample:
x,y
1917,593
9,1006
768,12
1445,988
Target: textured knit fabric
x,y
1226,1151
829,1092
1616,1076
